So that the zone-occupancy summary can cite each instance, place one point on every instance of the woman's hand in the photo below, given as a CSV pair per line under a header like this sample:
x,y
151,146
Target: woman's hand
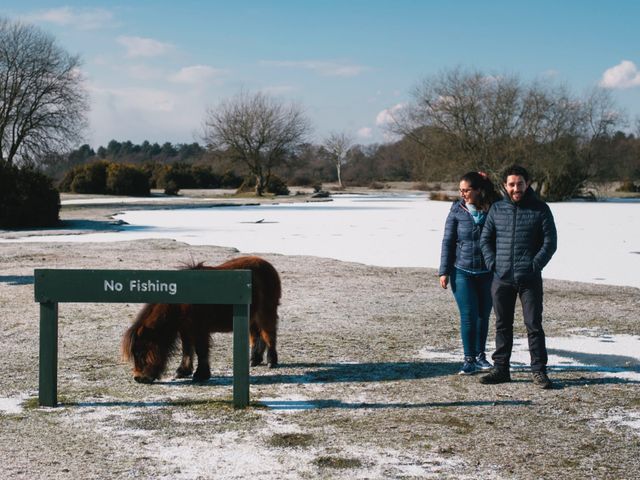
x,y
444,281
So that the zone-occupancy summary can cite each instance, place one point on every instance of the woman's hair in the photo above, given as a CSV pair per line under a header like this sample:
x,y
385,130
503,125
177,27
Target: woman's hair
x,y
481,181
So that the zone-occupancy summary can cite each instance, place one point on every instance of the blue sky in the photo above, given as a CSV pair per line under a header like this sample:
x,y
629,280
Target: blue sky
x,y
152,68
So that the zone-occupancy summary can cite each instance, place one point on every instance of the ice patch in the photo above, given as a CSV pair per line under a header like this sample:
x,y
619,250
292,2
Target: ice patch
x,y
289,404
384,230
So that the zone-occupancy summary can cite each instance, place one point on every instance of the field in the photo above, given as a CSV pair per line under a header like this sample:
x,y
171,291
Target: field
x,y
359,394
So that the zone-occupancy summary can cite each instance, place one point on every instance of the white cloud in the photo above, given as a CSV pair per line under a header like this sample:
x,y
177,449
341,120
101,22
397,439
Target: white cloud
x,y
365,132
386,116
136,99
623,75
83,18
196,74
325,68
143,47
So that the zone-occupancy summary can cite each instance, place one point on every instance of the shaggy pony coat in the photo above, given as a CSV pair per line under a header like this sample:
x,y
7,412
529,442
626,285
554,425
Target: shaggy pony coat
x,y
153,336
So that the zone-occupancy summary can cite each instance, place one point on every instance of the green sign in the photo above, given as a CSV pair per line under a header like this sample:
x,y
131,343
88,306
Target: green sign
x,y
143,286
232,287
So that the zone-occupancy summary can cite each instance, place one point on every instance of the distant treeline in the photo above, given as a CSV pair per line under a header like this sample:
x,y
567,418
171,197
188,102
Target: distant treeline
x,y
173,167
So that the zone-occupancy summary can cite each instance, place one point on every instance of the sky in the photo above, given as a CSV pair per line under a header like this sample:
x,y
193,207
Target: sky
x,y
152,69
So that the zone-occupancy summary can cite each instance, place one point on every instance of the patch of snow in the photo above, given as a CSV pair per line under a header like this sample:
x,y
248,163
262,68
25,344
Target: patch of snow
x,y
12,405
223,456
612,355
106,200
619,417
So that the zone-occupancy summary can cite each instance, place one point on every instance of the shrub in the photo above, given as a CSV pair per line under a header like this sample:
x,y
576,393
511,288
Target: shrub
x,y
89,178
302,180
426,187
127,180
628,186
171,188
442,196
27,198
277,186
203,177
229,179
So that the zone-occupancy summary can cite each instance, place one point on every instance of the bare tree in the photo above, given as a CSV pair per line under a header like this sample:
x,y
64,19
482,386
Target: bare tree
x,y
474,120
338,146
256,130
43,104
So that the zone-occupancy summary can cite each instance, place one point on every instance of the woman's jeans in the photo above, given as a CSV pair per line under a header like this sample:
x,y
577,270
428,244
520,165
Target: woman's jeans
x,y
473,296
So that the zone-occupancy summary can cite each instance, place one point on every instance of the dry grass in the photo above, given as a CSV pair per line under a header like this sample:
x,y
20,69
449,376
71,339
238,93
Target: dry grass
x,y
354,397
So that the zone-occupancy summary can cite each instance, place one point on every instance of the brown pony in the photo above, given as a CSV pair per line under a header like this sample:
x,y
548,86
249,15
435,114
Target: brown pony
x,y
153,336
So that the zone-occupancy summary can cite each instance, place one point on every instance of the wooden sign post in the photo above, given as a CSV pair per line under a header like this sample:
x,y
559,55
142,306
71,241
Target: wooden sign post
x,y
53,286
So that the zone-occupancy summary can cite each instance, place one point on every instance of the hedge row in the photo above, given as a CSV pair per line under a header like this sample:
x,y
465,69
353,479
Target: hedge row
x,y
27,198
104,177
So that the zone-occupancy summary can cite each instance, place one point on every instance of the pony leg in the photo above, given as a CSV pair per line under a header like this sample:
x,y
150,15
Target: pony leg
x,y
269,338
203,372
186,365
257,346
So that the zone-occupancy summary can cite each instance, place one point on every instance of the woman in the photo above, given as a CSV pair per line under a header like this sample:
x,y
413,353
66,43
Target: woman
x,y
462,265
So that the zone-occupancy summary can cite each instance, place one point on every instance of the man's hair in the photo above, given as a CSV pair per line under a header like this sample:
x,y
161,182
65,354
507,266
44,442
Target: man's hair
x,y
515,170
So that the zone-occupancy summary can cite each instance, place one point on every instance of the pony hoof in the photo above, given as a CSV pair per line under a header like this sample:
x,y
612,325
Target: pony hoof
x,y
255,363
201,377
142,379
272,365
183,373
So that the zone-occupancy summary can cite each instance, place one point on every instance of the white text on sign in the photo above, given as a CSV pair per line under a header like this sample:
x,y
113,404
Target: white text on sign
x,y
141,286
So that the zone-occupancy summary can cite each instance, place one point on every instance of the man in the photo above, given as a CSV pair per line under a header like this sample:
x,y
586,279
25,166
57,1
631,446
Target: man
x,y
518,240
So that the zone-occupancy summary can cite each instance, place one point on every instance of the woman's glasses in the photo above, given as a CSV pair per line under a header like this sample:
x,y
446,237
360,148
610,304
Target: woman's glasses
x,y
466,190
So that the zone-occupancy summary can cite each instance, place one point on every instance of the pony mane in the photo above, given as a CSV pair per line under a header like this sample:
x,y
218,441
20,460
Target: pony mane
x,y
191,264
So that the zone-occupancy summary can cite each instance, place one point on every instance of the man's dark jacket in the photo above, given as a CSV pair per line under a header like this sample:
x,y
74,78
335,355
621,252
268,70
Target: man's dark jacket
x,y
461,242
518,239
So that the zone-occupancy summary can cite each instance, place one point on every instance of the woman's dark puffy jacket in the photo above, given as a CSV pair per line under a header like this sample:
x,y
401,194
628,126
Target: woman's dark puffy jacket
x,y
461,242
519,239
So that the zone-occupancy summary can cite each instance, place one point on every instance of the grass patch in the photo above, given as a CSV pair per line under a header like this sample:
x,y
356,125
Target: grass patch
x,y
33,403
442,196
460,426
150,422
205,405
291,440
635,402
337,462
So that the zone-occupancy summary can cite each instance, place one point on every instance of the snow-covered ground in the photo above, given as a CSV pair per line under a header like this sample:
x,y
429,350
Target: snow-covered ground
x,y
597,242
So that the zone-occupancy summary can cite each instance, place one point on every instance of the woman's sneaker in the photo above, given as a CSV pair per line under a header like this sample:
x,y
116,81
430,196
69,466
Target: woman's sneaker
x,y
469,367
482,363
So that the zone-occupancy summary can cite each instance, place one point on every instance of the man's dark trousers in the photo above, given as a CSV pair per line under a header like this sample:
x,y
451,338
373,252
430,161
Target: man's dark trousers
x,y
504,301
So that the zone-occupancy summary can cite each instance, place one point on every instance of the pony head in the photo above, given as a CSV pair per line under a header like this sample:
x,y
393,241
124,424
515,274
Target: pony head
x,y
149,342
